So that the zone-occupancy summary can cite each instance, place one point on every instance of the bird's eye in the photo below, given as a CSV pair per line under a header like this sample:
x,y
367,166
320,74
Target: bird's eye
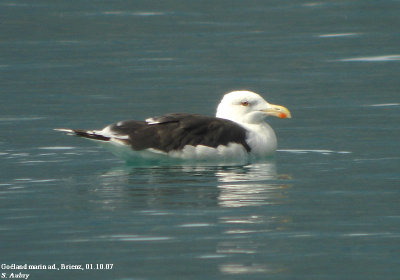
x,y
244,103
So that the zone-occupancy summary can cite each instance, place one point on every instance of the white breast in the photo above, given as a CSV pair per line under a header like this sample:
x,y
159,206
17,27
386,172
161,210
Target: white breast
x,y
261,139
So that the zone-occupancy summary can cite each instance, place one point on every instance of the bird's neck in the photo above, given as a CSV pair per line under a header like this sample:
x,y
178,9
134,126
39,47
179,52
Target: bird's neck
x,y
261,139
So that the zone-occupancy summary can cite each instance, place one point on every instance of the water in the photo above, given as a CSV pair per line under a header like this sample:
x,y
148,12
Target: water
x,y
327,206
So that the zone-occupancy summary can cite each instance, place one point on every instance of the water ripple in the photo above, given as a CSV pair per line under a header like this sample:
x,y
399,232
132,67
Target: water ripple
x,y
334,35
324,152
394,57
133,237
245,269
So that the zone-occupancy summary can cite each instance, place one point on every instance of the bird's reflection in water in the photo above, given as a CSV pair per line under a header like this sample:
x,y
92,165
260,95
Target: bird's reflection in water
x,y
253,185
253,189
241,207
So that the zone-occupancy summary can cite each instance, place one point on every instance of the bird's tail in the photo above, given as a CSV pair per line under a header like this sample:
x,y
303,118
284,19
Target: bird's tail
x,y
90,134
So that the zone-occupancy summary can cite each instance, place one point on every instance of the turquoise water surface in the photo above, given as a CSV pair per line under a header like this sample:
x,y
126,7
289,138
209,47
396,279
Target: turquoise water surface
x,y
325,207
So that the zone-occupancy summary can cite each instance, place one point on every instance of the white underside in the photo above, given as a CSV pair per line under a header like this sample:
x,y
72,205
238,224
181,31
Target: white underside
x,y
230,153
225,153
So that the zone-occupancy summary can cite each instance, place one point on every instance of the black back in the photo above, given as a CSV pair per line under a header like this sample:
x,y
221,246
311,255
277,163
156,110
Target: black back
x,y
174,131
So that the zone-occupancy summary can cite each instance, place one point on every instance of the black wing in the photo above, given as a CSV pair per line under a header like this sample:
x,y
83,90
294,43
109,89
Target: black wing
x,y
174,131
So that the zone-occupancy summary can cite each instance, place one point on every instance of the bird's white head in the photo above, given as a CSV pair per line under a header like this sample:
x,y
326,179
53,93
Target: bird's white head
x,y
248,107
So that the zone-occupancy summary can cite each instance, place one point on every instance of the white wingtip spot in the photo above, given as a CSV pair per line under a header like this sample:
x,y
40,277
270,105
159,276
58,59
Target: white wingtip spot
x,y
120,141
67,130
151,121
